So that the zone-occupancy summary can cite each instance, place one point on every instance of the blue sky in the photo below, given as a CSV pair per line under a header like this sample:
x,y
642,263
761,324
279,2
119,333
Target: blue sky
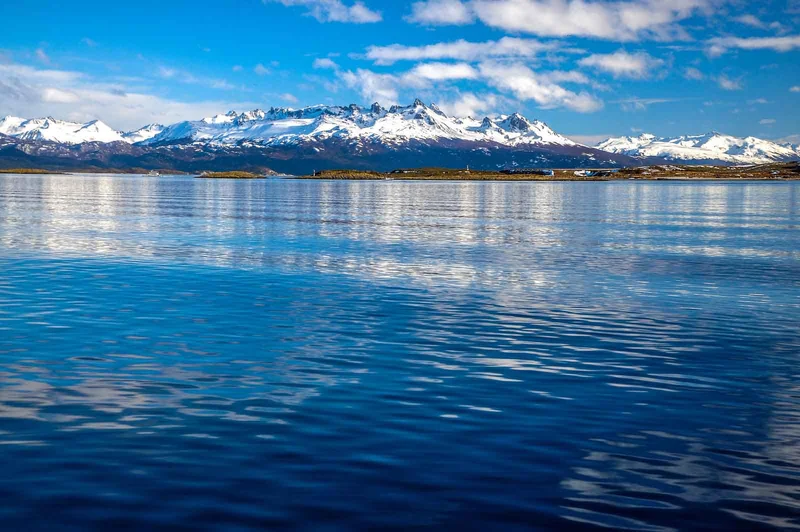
x,y
590,69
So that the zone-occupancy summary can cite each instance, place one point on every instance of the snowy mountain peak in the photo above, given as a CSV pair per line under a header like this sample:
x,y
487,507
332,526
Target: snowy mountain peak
x,y
50,129
516,122
417,124
361,125
145,133
709,147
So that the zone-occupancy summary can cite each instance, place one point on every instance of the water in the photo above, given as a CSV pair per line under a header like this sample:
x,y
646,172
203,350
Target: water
x,y
219,355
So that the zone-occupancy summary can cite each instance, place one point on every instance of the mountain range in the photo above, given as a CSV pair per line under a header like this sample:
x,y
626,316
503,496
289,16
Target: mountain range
x,y
322,137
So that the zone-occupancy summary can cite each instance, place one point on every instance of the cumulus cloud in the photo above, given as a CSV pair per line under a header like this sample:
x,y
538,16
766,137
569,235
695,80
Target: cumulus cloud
x,y
796,88
261,70
30,92
373,86
526,85
618,20
288,97
767,121
384,88
441,12
444,71
469,104
461,50
335,10
325,63
514,79
622,64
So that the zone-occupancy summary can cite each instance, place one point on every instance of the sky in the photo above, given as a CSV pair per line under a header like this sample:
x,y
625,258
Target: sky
x,y
589,68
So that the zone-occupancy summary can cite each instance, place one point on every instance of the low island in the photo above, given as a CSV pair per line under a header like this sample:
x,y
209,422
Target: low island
x,y
26,171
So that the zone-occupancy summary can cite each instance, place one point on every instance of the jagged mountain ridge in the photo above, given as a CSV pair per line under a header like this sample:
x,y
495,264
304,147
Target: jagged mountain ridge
x,y
294,159
61,131
283,126
712,147
392,127
375,138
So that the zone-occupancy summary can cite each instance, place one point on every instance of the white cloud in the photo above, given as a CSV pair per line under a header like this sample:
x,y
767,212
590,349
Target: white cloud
x,y
640,104
88,42
750,20
469,104
720,45
444,71
29,92
796,88
461,50
758,101
325,63
291,98
384,88
261,70
525,85
767,121
515,79
622,64
693,73
729,84
441,12
237,68
335,10
570,76
54,95
618,20
381,88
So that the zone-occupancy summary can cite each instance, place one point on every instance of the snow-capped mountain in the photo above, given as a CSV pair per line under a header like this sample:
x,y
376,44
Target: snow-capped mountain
x,y
374,125
320,137
142,134
321,131
50,129
711,147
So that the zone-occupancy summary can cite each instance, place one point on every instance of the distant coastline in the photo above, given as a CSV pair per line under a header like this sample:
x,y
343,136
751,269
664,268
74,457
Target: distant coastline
x,y
763,172
770,171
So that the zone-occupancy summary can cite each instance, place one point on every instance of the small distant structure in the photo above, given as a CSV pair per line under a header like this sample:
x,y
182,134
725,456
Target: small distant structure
x,y
153,173
595,173
528,171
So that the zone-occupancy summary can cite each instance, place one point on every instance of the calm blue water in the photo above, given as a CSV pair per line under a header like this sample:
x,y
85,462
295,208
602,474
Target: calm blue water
x,y
219,355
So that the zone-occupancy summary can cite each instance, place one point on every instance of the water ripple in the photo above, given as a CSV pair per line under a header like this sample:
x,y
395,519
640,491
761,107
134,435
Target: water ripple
x,y
179,353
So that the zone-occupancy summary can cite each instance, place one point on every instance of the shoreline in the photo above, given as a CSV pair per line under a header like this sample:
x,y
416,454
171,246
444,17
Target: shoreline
x,y
765,172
